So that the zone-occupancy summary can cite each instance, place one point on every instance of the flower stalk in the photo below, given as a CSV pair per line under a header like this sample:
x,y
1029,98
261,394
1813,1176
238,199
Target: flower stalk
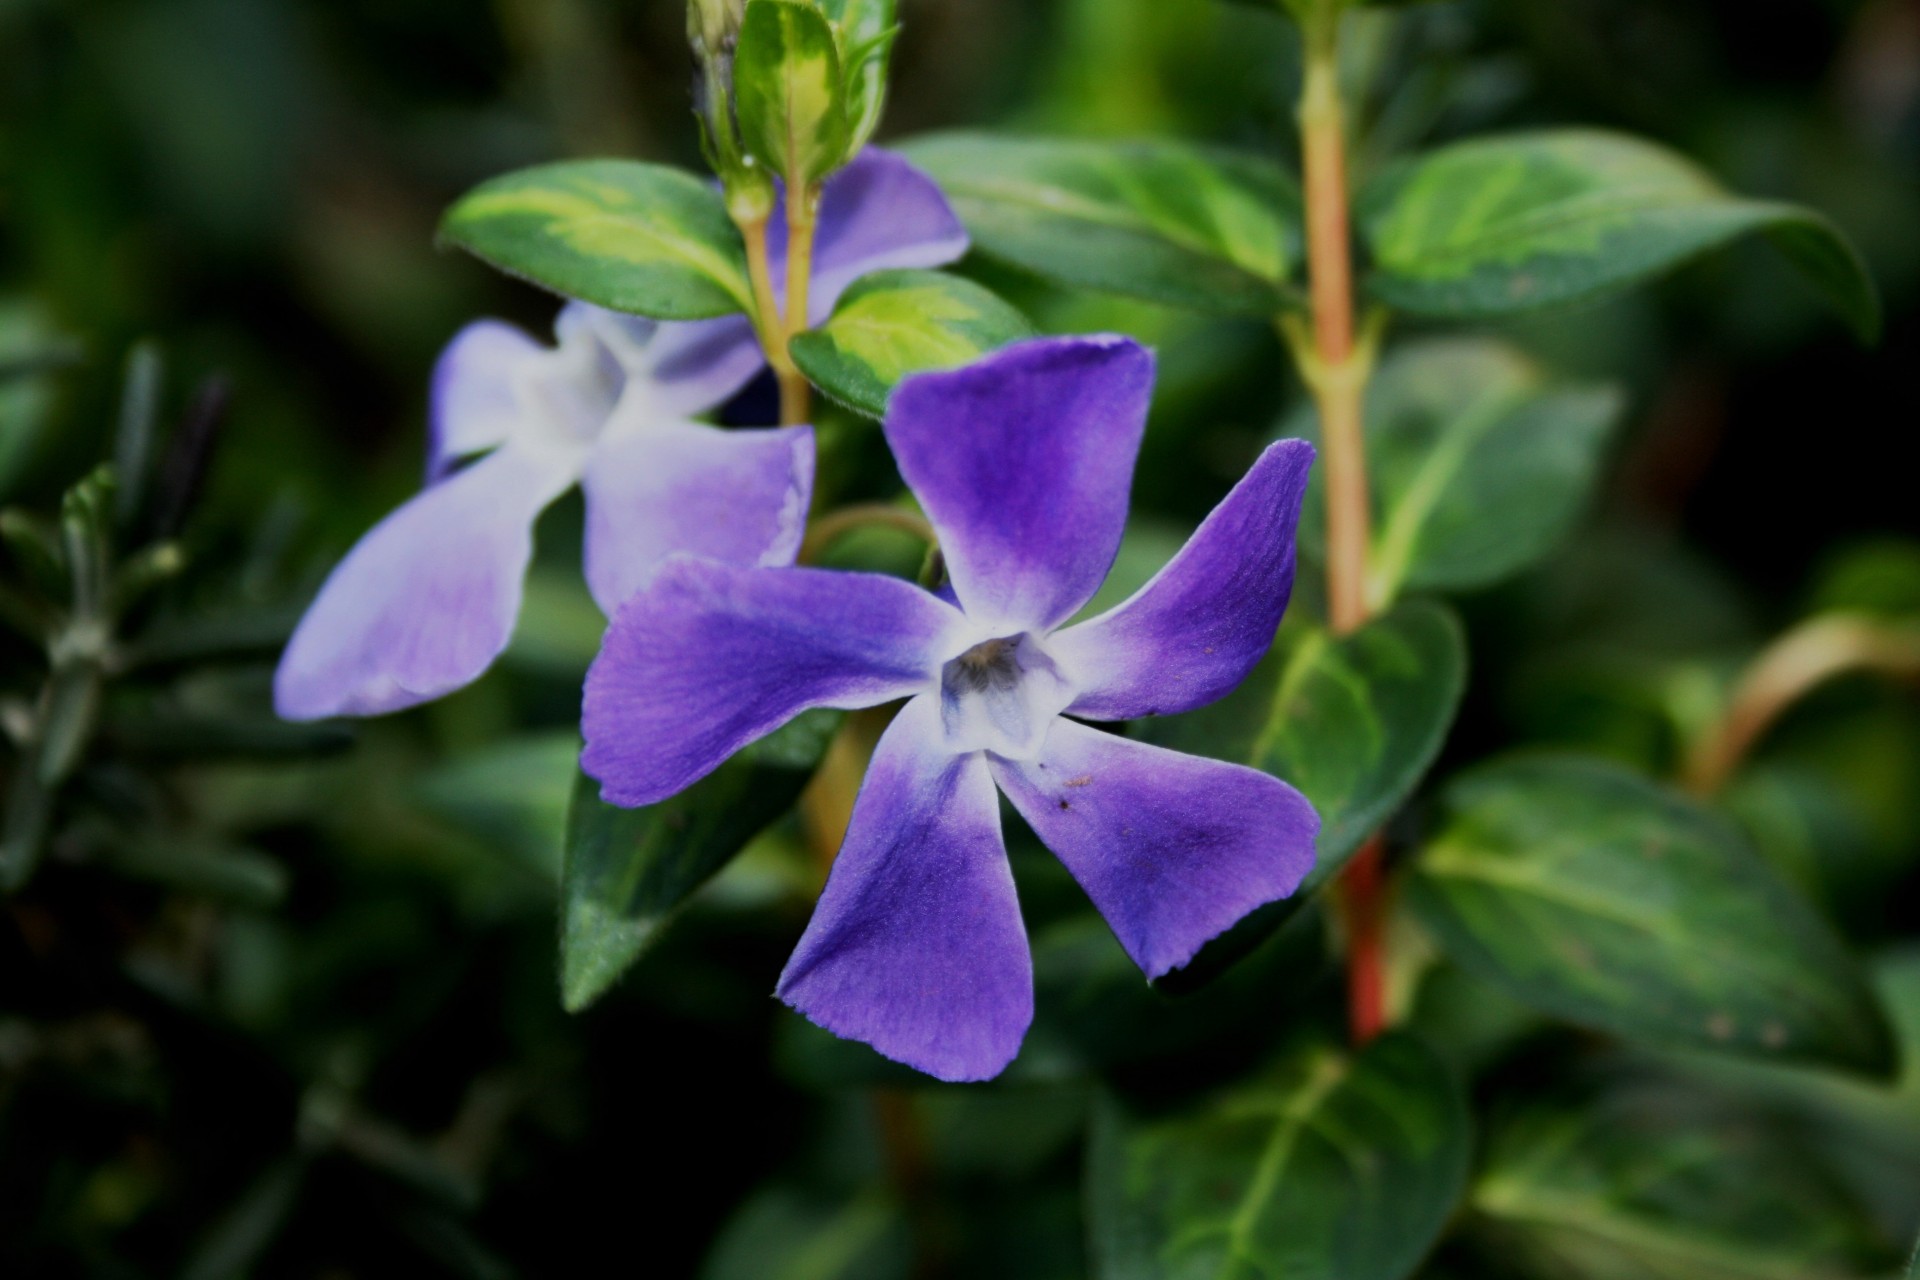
x,y
1788,670
1336,363
796,392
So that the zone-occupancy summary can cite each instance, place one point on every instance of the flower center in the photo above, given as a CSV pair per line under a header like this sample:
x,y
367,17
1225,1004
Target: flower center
x,y
1000,696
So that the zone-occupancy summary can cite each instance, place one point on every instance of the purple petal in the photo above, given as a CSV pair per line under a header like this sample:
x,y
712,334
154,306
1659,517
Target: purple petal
x,y
1172,848
684,368
708,657
917,947
661,488
699,365
1023,461
427,600
876,214
476,404
1195,631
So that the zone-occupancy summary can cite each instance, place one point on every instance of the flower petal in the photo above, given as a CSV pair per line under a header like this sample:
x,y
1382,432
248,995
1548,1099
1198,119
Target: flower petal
x,y
1172,848
876,214
427,600
1195,631
476,404
663,487
684,367
1023,461
917,947
708,657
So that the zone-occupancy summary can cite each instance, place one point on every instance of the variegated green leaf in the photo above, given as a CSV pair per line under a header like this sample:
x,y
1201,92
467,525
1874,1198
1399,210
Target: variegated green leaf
x,y
866,30
1594,895
1336,1167
1187,226
1504,224
1668,1185
1479,461
633,237
1354,722
788,90
896,323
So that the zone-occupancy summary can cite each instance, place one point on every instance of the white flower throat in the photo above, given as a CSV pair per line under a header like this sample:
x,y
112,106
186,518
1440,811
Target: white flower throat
x,y
1001,695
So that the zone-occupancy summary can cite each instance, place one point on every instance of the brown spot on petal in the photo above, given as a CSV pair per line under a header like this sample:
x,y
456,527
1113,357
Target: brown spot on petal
x,y
1084,780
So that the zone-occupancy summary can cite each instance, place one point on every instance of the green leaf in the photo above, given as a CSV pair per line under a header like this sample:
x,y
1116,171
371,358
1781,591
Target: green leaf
x,y
1508,223
895,323
31,349
1479,464
1599,897
1331,1168
628,870
866,32
788,91
796,1233
1353,722
1169,222
1669,1186
641,238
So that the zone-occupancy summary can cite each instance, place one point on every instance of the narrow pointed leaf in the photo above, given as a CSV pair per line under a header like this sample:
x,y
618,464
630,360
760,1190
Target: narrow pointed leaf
x,y
1480,463
1599,897
1508,223
641,238
789,92
1334,1168
1169,222
896,323
628,870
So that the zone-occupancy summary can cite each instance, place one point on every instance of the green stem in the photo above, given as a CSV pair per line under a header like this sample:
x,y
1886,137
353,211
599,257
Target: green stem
x,y
1788,670
796,395
833,526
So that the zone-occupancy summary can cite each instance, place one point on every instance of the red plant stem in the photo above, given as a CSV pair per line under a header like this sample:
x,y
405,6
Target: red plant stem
x,y
1336,370
1365,885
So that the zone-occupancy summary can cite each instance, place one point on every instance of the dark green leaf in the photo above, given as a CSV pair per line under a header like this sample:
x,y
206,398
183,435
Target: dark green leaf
x,y
1354,723
30,349
628,870
1479,464
515,795
896,323
789,92
1332,1168
1667,1187
139,415
1599,897
634,237
789,1233
1504,224
1187,226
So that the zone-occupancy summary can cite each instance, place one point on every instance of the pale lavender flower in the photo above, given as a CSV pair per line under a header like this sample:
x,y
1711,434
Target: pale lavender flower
x,y
1022,463
428,599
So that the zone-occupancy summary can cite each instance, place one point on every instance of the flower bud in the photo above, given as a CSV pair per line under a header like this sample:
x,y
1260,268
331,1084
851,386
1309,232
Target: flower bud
x,y
714,26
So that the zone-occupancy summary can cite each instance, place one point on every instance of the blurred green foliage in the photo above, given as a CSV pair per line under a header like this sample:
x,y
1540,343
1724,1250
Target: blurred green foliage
x,y
294,1011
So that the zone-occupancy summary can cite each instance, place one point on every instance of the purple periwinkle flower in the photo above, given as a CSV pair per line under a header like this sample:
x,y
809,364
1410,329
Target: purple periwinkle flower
x,y
1022,463
428,599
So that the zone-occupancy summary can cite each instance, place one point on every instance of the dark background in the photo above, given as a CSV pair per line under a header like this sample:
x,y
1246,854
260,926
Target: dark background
x,y
373,1077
